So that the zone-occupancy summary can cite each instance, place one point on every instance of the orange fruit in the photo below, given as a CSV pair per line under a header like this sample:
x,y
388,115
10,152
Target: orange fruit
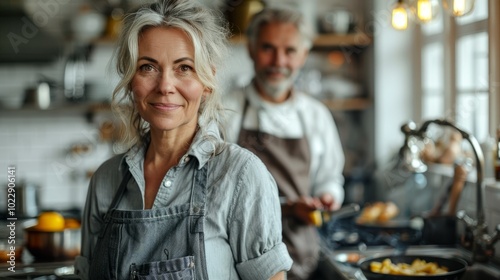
x,y
50,221
71,223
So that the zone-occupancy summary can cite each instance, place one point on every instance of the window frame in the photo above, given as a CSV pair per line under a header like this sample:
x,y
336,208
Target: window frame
x,y
451,33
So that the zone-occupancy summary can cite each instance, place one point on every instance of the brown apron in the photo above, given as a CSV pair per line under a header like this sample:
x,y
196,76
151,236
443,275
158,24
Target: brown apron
x,y
288,160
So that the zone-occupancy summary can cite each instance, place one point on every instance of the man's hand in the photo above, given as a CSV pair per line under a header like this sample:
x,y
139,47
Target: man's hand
x,y
303,207
328,202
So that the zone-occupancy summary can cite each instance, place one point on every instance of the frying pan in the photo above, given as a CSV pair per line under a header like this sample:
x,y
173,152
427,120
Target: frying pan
x,y
393,232
395,224
456,267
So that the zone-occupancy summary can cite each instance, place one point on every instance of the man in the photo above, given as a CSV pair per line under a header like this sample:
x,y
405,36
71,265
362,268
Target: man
x,y
293,133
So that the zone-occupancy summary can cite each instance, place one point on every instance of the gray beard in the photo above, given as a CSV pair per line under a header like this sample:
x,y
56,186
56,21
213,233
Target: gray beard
x,y
276,90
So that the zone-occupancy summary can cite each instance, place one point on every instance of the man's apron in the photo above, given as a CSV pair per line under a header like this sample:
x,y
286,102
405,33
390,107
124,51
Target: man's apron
x,y
288,160
160,243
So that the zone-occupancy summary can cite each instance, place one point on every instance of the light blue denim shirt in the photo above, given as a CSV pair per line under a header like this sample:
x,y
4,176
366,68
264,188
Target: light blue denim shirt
x,y
243,221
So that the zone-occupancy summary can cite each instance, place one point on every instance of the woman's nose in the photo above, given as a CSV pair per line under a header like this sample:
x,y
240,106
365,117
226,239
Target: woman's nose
x,y
166,83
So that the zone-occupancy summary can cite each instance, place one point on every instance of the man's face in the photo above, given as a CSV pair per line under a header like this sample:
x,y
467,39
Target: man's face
x,y
278,54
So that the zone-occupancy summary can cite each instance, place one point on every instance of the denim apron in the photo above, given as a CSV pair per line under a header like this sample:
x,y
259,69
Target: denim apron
x,y
160,243
288,160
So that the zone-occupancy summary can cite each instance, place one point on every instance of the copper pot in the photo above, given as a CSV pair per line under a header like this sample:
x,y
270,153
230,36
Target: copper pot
x,y
53,245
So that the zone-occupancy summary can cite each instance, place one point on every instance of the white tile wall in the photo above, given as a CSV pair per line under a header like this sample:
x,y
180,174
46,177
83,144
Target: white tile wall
x,y
37,143
39,147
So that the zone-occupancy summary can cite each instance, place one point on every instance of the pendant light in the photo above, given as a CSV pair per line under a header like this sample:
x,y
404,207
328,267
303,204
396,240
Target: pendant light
x,y
399,19
424,11
458,8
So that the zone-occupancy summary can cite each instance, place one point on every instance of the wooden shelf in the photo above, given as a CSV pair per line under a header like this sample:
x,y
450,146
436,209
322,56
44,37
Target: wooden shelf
x,y
325,40
345,40
88,107
348,104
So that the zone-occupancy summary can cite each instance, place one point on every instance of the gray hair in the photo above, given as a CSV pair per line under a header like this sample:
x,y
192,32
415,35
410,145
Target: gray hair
x,y
281,15
208,33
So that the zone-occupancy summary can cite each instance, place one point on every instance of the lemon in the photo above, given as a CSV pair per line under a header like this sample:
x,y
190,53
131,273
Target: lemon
x,y
50,221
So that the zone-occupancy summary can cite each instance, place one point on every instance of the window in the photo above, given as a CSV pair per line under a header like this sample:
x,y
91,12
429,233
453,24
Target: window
x,y
467,82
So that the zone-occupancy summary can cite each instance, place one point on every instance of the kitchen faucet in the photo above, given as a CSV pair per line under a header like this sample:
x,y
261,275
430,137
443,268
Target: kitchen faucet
x,y
482,242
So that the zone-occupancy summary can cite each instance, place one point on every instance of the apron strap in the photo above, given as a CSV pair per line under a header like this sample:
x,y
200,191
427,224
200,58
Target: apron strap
x,y
121,191
116,200
198,200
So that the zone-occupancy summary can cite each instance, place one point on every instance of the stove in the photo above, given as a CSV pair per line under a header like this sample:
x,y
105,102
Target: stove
x,y
346,233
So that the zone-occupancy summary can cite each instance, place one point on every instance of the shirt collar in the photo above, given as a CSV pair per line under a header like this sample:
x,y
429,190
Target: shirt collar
x,y
203,148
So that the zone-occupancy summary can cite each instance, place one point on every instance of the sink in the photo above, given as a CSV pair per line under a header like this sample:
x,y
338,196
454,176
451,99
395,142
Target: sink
x,y
344,270
481,272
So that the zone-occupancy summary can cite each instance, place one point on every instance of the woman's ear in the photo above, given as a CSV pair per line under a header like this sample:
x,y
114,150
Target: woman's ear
x,y
207,91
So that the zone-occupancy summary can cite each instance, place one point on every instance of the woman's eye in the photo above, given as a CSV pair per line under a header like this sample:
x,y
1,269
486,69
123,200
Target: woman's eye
x,y
146,68
185,68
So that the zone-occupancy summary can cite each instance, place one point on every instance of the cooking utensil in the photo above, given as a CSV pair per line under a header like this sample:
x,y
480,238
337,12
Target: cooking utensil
x,y
456,267
395,224
345,211
53,245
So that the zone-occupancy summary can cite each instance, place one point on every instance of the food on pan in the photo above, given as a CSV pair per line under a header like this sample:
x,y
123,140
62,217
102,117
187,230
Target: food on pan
x,y
417,267
378,212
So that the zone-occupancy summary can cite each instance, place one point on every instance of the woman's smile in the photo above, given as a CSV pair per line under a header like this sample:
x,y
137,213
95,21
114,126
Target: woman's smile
x,y
165,106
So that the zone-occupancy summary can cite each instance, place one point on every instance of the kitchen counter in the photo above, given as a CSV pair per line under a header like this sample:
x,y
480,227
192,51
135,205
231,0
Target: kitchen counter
x,y
39,271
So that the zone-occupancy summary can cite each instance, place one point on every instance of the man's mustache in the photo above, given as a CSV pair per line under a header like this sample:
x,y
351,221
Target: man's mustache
x,y
278,70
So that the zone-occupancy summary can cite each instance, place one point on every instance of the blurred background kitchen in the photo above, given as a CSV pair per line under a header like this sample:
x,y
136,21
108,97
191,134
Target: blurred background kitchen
x,y
375,75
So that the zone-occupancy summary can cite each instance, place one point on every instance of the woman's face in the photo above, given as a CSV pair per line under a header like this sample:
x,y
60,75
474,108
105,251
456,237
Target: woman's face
x,y
166,88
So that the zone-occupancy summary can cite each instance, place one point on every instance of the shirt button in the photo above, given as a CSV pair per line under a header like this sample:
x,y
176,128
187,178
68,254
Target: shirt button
x,y
186,159
167,183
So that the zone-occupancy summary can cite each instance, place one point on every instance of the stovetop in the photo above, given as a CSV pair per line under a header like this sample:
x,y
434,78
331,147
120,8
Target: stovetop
x,y
345,233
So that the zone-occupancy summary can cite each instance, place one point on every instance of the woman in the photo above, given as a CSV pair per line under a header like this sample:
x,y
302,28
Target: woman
x,y
180,203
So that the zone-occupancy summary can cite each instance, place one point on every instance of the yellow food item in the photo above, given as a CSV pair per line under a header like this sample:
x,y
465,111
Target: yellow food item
x,y
390,211
50,221
371,212
417,267
316,218
379,212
